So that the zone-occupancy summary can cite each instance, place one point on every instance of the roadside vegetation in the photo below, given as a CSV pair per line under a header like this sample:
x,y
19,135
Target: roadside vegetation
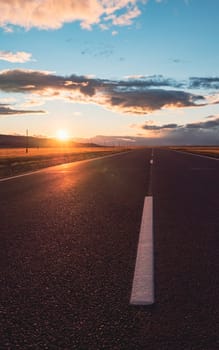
x,y
211,151
14,161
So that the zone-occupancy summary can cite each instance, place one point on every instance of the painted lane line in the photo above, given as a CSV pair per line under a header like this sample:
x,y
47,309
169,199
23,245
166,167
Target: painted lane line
x,y
143,282
21,175
61,165
149,192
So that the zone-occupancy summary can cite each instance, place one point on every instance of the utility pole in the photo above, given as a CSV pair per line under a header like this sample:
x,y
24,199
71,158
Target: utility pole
x,y
27,141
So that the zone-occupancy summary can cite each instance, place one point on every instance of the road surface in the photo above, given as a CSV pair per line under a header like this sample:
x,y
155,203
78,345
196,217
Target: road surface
x,y
69,238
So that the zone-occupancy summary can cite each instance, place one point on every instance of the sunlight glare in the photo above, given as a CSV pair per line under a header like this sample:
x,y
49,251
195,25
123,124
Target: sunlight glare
x,y
62,135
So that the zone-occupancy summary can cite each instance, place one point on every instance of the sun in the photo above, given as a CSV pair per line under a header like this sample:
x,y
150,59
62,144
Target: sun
x,y
62,135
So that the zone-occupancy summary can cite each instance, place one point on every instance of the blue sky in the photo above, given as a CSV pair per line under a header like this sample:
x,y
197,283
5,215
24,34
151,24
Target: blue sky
x,y
121,69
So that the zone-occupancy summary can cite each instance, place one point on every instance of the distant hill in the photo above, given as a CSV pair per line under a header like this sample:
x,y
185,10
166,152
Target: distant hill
x,y
16,141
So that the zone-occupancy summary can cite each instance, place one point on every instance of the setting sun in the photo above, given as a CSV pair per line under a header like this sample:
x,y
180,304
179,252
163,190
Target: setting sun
x,y
62,135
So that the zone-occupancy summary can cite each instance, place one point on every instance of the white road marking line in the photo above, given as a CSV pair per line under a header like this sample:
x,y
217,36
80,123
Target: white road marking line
x,y
143,282
194,154
60,165
21,175
150,176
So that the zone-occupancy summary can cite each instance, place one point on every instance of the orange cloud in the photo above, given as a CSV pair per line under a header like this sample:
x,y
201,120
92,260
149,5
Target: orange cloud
x,y
126,18
52,14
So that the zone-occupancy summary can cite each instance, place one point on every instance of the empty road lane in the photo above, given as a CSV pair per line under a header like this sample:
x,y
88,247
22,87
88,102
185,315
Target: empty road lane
x,y
69,237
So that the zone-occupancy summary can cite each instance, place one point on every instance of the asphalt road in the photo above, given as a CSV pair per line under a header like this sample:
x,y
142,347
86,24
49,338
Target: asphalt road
x,y
69,237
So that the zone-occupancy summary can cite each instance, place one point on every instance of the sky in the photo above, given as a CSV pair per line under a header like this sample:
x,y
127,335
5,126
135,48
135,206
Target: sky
x,y
114,71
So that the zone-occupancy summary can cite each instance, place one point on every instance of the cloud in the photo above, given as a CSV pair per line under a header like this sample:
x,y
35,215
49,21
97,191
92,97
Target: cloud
x,y
8,29
204,83
32,103
210,117
197,133
124,19
107,140
7,110
206,132
146,101
138,96
153,127
151,81
186,136
210,124
52,14
172,137
7,100
115,32
18,57
135,77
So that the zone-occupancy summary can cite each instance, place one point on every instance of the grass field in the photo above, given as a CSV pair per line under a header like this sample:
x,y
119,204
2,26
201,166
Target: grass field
x,y
212,151
15,161
35,152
